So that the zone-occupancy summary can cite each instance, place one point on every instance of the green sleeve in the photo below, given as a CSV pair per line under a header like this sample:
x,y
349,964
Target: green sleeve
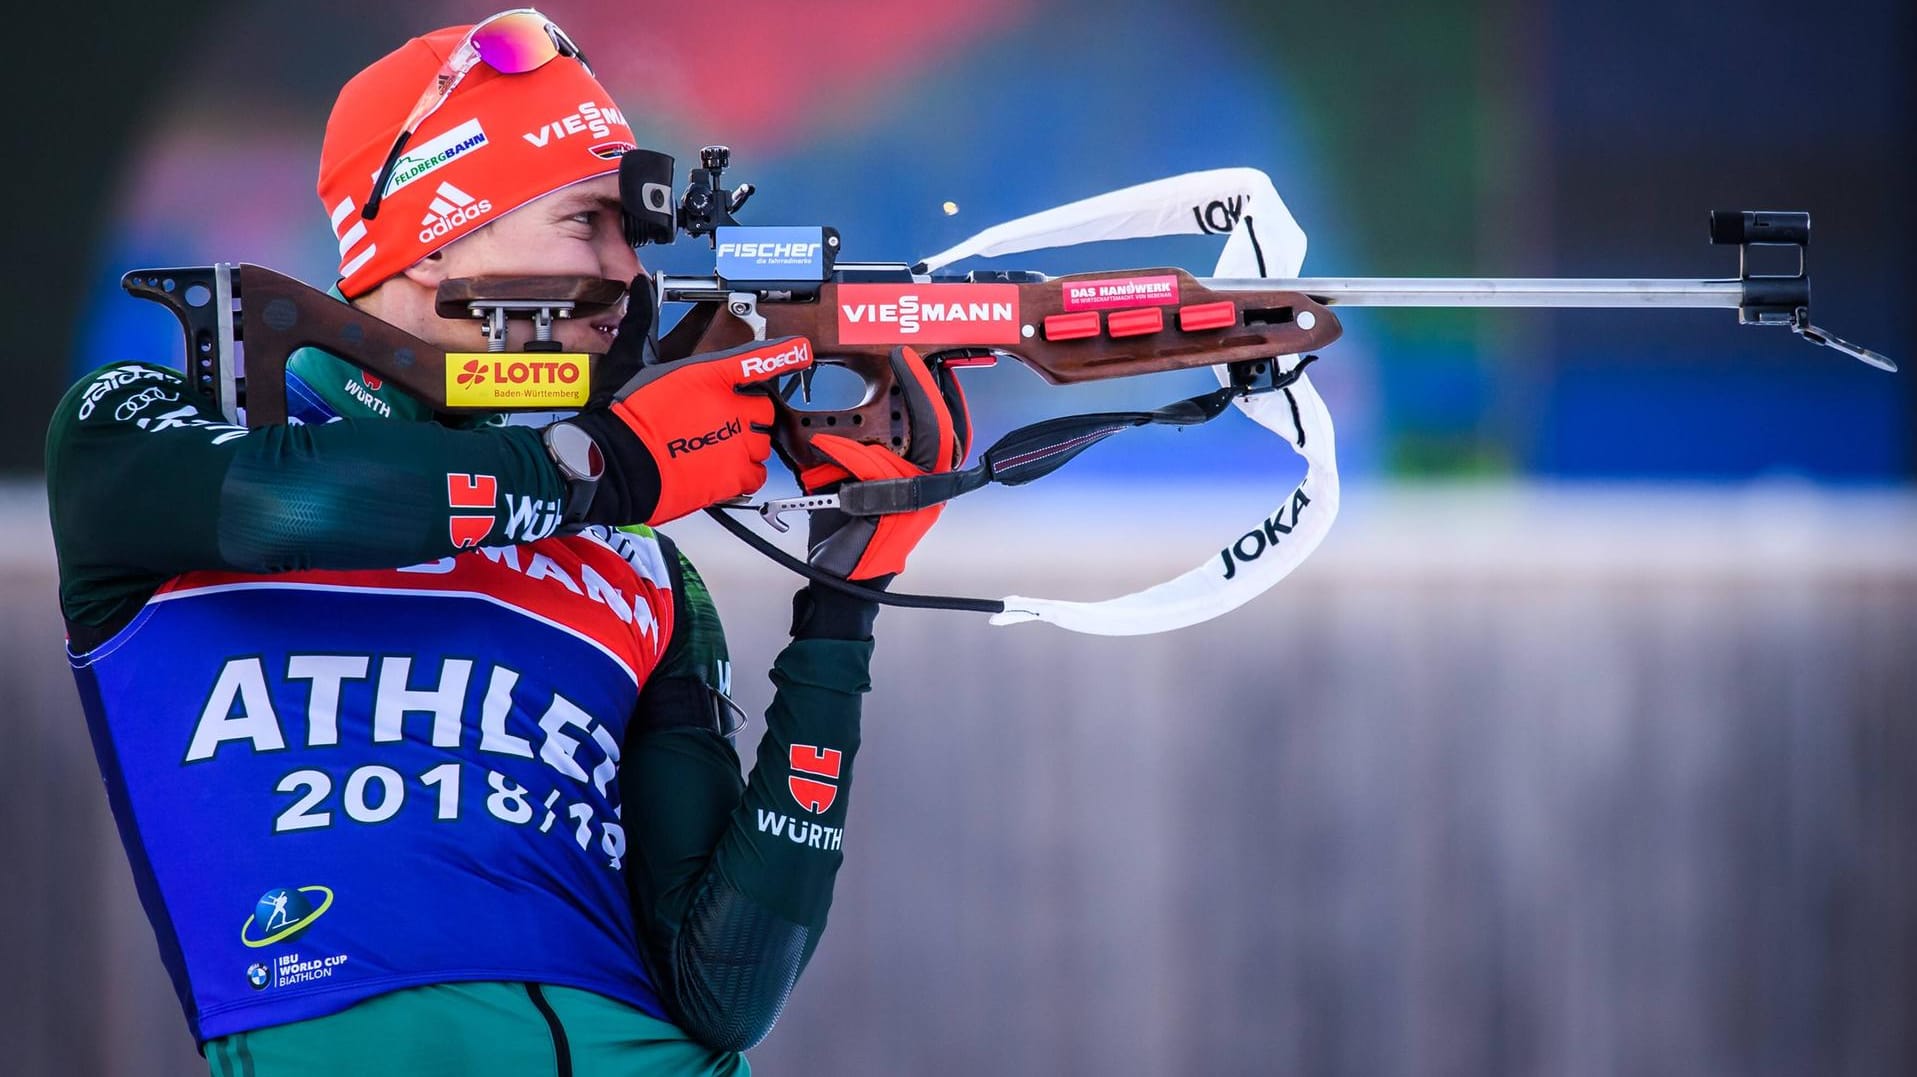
x,y
145,480
732,879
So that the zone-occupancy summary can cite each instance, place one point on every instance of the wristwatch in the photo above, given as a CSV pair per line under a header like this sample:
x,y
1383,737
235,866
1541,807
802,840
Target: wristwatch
x,y
579,460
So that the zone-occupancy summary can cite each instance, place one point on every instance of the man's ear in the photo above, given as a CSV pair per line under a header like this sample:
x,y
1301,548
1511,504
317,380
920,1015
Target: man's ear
x,y
428,271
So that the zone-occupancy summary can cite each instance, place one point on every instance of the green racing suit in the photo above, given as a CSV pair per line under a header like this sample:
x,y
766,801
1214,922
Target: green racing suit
x,y
148,483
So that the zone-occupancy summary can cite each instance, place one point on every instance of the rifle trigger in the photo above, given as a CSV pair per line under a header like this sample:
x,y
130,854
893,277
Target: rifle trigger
x,y
969,357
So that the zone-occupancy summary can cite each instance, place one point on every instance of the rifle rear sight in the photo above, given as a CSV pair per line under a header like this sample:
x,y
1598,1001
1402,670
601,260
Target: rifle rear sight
x,y
707,205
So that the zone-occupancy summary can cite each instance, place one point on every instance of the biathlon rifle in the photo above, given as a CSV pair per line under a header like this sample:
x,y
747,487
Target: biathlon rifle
x,y
1254,322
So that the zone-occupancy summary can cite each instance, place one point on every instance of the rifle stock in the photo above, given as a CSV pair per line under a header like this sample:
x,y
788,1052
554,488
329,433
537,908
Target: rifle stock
x,y
1038,323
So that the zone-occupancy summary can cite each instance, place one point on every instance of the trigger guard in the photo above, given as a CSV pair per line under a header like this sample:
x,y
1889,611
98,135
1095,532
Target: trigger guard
x,y
873,420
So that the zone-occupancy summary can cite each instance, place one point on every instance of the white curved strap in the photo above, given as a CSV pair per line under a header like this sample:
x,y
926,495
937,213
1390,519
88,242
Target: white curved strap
x,y
1264,236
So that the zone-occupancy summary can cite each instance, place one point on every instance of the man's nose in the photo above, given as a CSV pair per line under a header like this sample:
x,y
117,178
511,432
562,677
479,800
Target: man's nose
x,y
618,261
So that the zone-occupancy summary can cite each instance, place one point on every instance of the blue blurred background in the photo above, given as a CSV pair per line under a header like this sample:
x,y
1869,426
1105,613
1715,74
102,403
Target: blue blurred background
x,y
1494,139
1586,745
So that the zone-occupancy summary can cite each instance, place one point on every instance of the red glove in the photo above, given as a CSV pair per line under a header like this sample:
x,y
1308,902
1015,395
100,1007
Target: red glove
x,y
864,547
682,436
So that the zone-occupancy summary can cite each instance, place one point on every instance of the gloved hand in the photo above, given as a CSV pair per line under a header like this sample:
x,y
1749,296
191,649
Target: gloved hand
x,y
870,547
676,437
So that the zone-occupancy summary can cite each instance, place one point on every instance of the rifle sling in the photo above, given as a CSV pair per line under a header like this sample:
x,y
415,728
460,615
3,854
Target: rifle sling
x,y
1036,450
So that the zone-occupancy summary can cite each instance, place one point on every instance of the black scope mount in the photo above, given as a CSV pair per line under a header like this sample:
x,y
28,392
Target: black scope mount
x,y
707,205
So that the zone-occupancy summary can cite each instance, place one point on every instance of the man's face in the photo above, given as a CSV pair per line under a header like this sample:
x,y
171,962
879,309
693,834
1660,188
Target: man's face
x,y
572,232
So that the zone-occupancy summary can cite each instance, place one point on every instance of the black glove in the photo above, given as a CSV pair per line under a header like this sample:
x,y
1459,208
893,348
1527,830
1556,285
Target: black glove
x,y
634,347
822,612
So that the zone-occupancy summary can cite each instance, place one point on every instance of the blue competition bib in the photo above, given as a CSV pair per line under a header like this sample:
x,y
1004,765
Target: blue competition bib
x,y
337,784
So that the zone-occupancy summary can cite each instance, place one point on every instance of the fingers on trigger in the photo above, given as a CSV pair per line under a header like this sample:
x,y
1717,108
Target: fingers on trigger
x,y
756,408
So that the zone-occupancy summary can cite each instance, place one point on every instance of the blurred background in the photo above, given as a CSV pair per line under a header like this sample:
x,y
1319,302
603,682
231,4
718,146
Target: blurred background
x,y
1587,744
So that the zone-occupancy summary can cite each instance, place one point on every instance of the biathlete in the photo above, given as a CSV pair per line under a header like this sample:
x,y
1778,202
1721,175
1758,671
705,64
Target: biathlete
x,y
416,736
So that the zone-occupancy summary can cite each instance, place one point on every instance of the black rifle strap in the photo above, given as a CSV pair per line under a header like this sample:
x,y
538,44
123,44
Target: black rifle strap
x,y
840,583
1028,453
1038,449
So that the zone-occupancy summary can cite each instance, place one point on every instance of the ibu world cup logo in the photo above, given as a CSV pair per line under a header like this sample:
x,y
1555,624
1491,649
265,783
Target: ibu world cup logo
x,y
283,913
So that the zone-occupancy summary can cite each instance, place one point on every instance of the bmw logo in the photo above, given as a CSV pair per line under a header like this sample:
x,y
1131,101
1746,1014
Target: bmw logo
x,y
257,975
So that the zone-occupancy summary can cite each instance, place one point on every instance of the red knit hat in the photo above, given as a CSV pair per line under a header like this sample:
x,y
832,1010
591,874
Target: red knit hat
x,y
498,142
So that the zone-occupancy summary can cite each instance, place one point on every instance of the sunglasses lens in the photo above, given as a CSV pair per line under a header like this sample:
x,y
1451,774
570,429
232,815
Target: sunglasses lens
x,y
515,44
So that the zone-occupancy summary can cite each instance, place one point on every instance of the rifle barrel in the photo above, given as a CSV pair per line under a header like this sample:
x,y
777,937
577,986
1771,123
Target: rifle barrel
x,y
1494,292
